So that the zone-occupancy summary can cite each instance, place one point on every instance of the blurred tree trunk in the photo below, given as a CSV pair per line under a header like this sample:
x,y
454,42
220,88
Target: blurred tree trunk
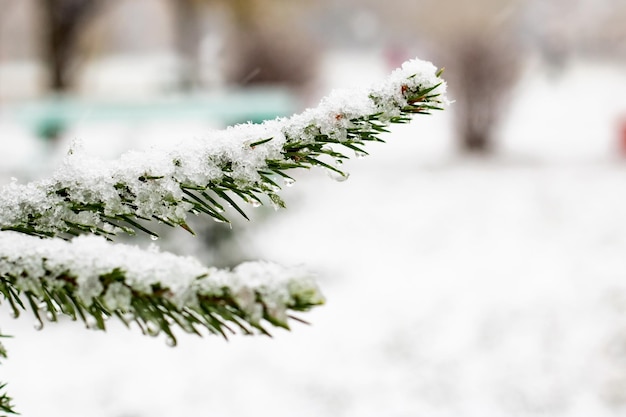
x,y
269,46
188,21
63,21
484,71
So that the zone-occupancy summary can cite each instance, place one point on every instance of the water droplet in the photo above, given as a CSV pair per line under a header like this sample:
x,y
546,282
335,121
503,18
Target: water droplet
x,y
289,181
38,325
359,154
50,316
219,209
153,237
170,341
152,328
128,317
254,203
91,322
15,314
337,176
218,220
194,211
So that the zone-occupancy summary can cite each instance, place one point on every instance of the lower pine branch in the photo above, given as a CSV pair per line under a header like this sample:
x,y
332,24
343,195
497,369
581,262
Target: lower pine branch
x,y
6,405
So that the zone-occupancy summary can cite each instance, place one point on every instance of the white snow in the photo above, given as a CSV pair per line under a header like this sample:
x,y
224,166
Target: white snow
x,y
455,287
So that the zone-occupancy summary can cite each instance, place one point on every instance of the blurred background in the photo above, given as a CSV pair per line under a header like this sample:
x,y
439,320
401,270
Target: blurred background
x,y
474,265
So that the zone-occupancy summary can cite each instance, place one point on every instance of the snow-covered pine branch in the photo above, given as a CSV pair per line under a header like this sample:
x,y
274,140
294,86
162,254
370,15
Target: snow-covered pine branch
x,y
91,279
244,163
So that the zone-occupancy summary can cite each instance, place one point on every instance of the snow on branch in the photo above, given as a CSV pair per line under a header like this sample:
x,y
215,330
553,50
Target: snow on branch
x,y
247,163
91,279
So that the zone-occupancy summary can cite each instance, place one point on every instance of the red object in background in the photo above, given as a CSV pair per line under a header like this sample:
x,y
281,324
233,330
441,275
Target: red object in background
x,y
395,56
622,136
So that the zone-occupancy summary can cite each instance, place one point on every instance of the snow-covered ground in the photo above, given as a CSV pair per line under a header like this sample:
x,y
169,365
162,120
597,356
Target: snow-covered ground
x,y
456,287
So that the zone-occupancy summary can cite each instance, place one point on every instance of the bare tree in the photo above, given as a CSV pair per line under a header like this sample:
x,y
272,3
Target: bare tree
x,y
63,21
269,47
188,32
483,72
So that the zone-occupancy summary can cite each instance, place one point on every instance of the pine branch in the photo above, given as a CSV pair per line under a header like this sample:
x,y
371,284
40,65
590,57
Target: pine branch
x,y
159,292
6,405
5,400
246,164
91,280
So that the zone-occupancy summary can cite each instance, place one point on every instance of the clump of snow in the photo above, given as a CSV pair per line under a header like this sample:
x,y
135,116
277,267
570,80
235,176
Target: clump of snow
x,y
86,259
